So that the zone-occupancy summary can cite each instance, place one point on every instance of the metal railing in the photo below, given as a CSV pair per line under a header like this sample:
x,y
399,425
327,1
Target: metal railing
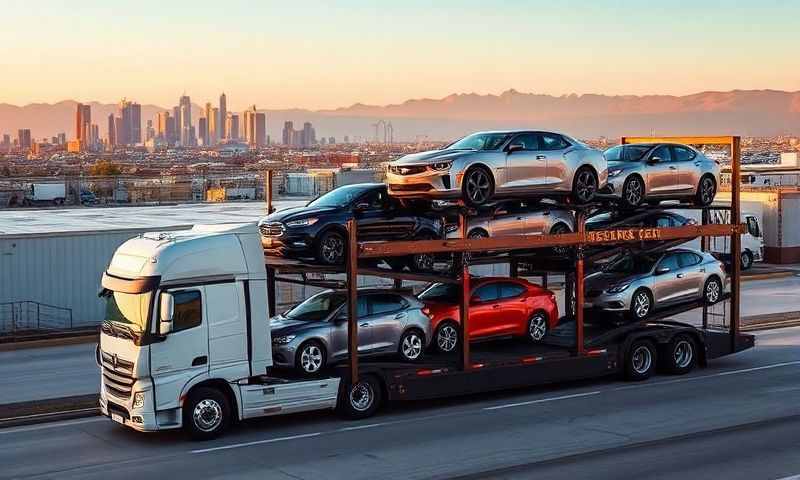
x,y
30,316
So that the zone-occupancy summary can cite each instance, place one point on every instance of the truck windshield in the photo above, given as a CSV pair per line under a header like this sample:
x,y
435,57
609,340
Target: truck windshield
x,y
317,308
129,311
480,141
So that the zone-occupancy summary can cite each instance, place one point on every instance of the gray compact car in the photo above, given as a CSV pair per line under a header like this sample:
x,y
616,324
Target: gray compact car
x,y
651,172
486,166
517,218
638,284
314,333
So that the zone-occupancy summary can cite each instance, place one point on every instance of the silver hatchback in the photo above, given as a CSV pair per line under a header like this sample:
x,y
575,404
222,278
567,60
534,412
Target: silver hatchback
x,y
640,284
313,334
485,166
651,172
517,218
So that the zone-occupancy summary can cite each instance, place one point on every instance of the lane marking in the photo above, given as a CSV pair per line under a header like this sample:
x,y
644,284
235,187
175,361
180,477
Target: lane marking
x,y
362,427
257,442
47,426
50,414
541,400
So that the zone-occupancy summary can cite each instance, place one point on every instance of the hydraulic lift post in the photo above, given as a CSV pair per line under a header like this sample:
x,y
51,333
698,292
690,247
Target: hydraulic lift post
x,y
352,299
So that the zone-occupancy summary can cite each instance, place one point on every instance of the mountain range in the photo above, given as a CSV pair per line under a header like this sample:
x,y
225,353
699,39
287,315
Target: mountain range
x,y
742,112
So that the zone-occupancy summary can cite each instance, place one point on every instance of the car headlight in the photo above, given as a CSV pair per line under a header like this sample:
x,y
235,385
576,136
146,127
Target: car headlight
x,y
441,166
619,288
614,172
138,400
284,339
304,222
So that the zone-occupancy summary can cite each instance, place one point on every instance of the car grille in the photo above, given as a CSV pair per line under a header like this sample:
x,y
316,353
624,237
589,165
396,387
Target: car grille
x,y
117,375
275,229
407,169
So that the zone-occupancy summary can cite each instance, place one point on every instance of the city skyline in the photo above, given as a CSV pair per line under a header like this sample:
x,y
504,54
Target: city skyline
x,y
358,52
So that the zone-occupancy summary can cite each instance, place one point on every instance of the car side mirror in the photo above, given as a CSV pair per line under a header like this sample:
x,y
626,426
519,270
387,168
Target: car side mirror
x,y
662,270
515,147
361,206
166,313
654,160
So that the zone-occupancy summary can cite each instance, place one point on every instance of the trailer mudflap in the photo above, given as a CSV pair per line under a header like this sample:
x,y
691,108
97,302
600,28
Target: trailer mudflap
x,y
719,344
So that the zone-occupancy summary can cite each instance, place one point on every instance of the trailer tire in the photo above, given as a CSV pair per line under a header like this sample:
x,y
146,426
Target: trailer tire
x,y
361,400
747,260
640,360
206,413
681,355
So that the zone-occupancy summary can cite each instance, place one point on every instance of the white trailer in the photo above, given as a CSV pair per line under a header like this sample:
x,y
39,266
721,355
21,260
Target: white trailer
x,y
54,193
752,239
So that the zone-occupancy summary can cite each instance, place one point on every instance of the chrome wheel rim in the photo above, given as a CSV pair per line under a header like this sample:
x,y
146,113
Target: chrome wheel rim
x,y
712,291
642,359
447,338
361,396
478,186
332,249
707,191
423,261
641,304
633,193
207,415
746,261
311,358
411,346
537,327
683,354
585,186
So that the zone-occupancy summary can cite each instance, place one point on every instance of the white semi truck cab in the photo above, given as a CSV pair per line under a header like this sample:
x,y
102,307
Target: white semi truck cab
x,y
186,338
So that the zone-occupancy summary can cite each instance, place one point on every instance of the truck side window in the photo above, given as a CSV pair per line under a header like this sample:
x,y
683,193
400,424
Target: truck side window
x,y
188,310
752,227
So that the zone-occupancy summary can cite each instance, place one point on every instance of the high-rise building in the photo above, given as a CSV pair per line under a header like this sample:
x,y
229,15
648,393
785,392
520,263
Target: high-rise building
x,y
24,139
83,121
232,126
112,131
207,138
130,132
346,139
185,123
94,137
162,127
288,131
222,128
261,130
176,115
309,136
202,129
150,132
331,140
172,130
118,130
62,138
213,126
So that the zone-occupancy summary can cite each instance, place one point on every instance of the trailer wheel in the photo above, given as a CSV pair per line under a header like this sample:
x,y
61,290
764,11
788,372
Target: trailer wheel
x,y
747,260
206,414
640,361
361,400
681,355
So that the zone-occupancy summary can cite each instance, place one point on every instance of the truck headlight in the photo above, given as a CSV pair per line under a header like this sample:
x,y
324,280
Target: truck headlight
x,y
614,172
619,288
442,166
138,400
284,339
305,222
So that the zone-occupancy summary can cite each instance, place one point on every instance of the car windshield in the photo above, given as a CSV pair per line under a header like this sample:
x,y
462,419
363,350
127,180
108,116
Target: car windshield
x,y
441,292
339,197
130,310
627,153
319,307
480,141
631,264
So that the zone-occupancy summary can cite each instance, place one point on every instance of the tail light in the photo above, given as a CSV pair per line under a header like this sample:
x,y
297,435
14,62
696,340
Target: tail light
x,y
427,312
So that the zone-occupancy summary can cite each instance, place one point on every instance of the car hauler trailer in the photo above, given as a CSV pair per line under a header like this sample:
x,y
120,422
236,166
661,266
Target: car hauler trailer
x,y
188,341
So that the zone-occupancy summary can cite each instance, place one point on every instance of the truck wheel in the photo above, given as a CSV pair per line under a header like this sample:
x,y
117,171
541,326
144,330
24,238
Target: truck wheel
x,y
747,260
412,343
361,400
640,361
681,355
206,414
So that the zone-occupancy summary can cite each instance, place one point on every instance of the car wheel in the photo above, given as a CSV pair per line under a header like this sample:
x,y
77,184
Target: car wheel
x,y
706,191
447,336
411,345
206,414
641,304
537,327
633,192
422,262
331,248
712,291
584,185
680,355
478,186
361,400
747,260
310,358
560,229
476,234
640,361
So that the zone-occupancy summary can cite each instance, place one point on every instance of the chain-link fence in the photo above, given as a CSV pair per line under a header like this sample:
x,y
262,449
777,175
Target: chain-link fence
x,y
30,317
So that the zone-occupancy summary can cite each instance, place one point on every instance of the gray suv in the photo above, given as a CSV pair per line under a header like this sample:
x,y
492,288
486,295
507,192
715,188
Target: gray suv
x,y
639,284
313,333
486,166
651,172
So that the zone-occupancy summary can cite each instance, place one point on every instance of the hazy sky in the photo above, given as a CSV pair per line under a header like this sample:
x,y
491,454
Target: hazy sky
x,y
312,54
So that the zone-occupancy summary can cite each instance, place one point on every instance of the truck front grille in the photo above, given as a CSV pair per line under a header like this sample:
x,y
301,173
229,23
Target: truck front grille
x,y
274,229
117,375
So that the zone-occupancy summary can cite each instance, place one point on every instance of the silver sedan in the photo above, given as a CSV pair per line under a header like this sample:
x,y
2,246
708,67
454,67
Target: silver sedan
x,y
313,334
651,172
517,218
486,166
640,284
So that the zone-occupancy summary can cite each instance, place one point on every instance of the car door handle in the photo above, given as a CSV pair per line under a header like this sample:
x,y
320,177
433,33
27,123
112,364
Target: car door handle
x,y
200,361
680,275
540,157
363,324
400,315
673,168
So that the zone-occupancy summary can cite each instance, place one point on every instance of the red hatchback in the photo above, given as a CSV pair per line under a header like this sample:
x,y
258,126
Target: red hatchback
x,y
499,307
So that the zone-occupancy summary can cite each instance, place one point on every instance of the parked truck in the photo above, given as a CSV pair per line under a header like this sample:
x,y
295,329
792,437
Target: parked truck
x,y
752,239
39,193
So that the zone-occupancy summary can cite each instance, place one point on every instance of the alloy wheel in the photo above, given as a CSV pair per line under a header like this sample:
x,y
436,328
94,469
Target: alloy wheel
x,y
641,304
712,291
423,262
537,327
332,248
362,396
447,338
641,360
683,354
633,192
207,415
411,346
585,186
311,358
707,191
478,186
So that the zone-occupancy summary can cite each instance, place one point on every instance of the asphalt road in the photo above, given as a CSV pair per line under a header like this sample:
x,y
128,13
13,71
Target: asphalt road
x,y
53,372
736,419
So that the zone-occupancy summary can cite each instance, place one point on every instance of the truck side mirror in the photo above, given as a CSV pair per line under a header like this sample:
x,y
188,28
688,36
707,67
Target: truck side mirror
x,y
166,312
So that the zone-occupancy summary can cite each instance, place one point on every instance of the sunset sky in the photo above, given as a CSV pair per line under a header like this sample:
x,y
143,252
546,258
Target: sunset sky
x,y
310,54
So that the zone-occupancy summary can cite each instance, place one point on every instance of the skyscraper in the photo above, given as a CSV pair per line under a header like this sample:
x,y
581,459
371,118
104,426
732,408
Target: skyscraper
x,y
150,132
112,131
162,127
213,126
288,130
83,122
223,117
131,131
309,136
232,126
176,117
261,129
24,138
186,120
202,130
255,127
207,137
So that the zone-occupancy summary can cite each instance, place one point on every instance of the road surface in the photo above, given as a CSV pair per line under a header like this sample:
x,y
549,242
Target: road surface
x,y
53,372
736,419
